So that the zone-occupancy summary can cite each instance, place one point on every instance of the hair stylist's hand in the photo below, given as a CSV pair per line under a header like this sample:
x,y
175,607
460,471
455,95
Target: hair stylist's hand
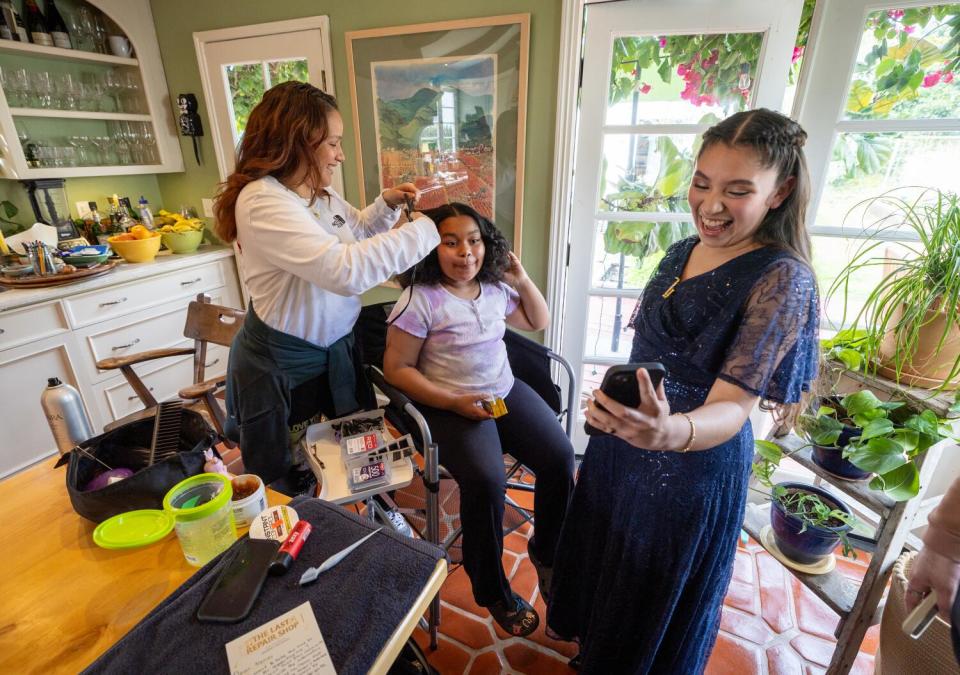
x,y
935,573
397,195
468,405
644,427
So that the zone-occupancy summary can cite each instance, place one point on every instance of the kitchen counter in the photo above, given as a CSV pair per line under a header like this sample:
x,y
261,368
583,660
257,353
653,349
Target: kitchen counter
x,y
13,298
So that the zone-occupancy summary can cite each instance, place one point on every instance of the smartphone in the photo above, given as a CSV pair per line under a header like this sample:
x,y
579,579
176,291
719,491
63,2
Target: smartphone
x,y
620,384
232,595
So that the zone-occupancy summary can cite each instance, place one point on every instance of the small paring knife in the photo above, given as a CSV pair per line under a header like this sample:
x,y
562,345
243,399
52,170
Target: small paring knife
x,y
921,617
312,573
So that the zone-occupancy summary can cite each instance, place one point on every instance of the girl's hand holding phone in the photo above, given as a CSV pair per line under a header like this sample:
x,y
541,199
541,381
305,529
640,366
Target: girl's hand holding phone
x,y
646,426
469,406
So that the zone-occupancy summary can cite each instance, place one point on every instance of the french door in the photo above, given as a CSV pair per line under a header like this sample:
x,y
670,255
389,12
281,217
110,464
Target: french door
x,y
654,77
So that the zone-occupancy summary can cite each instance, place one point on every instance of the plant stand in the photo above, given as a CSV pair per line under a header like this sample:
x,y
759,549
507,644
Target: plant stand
x,y
858,607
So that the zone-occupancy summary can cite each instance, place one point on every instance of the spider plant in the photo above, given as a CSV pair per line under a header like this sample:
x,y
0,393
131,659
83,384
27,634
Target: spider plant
x,y
918,291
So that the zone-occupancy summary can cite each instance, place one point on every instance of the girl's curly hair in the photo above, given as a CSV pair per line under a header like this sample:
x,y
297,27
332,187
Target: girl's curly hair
x,y
496,249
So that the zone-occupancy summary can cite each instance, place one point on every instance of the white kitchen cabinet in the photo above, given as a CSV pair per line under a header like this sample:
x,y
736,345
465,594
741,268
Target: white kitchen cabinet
x,y
142,134
60,332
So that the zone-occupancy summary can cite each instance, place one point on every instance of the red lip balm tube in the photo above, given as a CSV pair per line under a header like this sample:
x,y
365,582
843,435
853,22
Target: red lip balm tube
x,y
291,548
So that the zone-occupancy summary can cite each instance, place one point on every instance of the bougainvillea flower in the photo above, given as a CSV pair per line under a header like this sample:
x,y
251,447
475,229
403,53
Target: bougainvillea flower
x,y
932,79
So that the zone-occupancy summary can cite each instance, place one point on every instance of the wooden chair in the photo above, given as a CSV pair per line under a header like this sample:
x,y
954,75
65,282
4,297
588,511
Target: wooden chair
x,y
205,323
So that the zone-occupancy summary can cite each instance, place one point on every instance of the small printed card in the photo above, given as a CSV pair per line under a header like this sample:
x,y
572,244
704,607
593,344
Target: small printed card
x,y
362,474
291,644
363,443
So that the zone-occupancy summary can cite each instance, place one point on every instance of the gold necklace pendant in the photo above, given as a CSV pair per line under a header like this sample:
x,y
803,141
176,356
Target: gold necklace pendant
x,y
667,293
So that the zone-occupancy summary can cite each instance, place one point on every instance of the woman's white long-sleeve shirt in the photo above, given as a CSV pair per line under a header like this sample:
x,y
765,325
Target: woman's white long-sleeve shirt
x,y
305,265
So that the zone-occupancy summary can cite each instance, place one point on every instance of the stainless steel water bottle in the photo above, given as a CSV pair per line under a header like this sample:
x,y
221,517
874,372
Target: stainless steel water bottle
x,y
65,414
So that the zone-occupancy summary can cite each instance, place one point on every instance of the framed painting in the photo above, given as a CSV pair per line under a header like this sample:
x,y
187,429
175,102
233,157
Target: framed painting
x,y
443,105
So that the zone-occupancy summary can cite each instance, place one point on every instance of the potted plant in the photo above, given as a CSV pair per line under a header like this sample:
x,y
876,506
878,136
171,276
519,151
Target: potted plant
x,y
807,521
830,429
912,316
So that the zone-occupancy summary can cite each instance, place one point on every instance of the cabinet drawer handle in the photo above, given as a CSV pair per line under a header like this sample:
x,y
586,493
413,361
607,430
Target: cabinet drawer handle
x,y
131,398
190,283
129,344
112,302
212,363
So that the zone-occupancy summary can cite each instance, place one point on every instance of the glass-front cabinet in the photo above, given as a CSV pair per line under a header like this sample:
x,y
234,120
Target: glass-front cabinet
x,y
99,107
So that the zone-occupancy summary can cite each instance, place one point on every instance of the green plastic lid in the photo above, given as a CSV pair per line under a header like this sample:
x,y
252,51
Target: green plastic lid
x,y
198,496
133,529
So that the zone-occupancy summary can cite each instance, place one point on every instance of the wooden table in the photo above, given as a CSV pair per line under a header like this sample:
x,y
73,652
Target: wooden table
x,y
65,600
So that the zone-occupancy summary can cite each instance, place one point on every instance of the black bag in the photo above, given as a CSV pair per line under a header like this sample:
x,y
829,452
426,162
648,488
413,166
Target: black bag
x,y
128,447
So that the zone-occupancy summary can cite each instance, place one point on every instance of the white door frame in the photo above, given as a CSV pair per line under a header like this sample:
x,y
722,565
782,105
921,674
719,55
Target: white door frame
x,y
202,38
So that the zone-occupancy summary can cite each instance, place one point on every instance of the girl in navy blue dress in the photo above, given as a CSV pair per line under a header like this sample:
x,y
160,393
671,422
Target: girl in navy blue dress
x,y
647,548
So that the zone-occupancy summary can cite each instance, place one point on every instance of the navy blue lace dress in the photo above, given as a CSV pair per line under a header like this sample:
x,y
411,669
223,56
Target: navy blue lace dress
x,y
647,549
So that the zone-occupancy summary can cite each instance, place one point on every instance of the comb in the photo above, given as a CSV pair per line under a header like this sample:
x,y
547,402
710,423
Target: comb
x,y
312,573
166,430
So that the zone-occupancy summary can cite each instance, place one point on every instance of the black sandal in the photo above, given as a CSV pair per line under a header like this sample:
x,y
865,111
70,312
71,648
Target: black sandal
x,y
516,617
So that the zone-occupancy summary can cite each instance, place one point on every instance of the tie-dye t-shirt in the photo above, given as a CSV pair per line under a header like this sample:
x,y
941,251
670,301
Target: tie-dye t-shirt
x,y
463,348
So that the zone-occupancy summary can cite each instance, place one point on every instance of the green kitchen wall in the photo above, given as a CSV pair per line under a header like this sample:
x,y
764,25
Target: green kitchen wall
x,y
84,189
177,20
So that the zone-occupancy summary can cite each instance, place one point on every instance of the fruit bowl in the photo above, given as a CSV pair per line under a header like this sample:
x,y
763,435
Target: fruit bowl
x,y
136,250
182,242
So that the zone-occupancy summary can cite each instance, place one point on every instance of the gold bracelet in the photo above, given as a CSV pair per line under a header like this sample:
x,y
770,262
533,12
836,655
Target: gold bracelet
x,y
693,432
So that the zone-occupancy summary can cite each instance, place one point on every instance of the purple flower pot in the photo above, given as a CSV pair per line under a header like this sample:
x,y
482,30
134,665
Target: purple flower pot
x,y
831,458
815,543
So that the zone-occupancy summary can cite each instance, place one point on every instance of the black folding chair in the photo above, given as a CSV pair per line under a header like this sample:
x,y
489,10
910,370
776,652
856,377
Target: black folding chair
x,y
530,362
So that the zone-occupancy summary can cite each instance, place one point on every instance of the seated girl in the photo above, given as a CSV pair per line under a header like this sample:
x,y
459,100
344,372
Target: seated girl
x,y
445,350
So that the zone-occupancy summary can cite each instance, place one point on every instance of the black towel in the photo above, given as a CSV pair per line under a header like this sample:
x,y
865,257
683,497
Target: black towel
x,y
358,604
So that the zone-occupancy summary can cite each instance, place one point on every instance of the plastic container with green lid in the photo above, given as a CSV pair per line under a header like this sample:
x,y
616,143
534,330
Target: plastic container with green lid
x,y
133,529
202,516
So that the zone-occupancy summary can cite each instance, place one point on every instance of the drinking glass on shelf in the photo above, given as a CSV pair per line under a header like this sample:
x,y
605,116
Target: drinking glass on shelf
x,y
86,154
65,91
80,26
18,88
108,156
114,88
100,32
131,86
43,88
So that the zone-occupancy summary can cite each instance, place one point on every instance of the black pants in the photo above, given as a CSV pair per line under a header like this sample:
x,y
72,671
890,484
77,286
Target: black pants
x,y
472,451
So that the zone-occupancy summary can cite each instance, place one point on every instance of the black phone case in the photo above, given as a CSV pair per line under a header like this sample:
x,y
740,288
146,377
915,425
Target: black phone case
x,y
620,384
232,595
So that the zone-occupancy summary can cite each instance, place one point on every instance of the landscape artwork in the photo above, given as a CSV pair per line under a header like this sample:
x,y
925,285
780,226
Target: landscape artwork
x,y
435,127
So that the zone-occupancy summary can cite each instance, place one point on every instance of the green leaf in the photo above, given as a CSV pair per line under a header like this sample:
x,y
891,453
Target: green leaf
x,y
769,450
901,484
907,438
9,208
850,358
826,410
879,455
877,427
860,402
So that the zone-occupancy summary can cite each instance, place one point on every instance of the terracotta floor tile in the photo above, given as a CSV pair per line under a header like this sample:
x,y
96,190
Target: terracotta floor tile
x,y
525,659
743,567
742,596
456,591
449,657
813,649
515,542
730,657
774,593
466,629
486,664
524,582
522,498
750,545
781,660
746,626
813,614
852,569
871,641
